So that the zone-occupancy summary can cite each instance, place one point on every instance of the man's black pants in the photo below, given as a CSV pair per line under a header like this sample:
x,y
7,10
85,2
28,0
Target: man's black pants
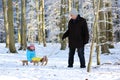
x,y
80,55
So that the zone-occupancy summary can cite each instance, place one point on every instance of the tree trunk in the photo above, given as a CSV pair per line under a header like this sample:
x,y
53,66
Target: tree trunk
x,y
77,5
98,42
93,41
37,16
95,37
73,3
23,25
63,24
103,40
18,20
69,5
90,57
39,20
11,28
31,29
92,46
4,2
109,26
43,24
98,34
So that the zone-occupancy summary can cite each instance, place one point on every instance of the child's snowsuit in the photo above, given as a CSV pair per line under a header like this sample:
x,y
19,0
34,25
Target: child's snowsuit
x,y
30,54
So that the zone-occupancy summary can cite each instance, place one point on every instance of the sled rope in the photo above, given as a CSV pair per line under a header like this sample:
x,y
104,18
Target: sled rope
x,y
52,53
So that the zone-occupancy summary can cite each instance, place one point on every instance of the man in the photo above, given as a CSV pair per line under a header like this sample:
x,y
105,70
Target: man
x,y
78,36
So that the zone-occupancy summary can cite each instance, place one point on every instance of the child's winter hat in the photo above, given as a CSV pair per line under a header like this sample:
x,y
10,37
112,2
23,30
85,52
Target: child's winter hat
x,y
32,46
74,12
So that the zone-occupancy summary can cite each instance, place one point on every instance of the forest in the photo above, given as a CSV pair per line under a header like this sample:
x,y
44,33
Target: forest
x,y
43,23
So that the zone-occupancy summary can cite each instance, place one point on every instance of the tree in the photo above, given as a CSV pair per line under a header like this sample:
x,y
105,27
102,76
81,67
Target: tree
x,y
31,27
18,20
63,23
69,5
43,23
102,24
4,2
77,4
39,15
23,25
11,28
109,25
96,35
99,31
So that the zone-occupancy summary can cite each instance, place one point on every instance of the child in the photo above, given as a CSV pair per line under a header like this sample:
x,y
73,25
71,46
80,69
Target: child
x,y
30,52
31,56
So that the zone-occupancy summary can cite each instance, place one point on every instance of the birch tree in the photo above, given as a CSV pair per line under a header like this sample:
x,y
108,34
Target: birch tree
x,y
94,35
99,31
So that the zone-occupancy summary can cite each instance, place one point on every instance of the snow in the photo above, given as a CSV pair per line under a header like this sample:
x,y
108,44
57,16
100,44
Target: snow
x,y
11,66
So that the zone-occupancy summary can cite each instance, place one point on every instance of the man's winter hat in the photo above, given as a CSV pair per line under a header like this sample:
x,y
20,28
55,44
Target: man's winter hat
x,y
74,12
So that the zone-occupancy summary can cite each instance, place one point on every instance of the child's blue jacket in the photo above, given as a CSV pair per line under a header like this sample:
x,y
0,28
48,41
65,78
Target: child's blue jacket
x,y
30,54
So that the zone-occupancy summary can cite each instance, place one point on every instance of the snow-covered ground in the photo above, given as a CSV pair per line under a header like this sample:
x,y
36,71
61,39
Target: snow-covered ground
x,y
11,66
